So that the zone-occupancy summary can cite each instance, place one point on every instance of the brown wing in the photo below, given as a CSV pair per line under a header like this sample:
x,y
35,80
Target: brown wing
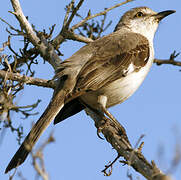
x,y
112,60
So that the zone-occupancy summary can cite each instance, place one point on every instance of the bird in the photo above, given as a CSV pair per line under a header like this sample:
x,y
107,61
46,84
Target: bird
x,y
101,74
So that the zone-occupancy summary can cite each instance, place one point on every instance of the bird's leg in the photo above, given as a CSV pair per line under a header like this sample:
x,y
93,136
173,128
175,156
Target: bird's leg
x,y
101,111
102,101
100,122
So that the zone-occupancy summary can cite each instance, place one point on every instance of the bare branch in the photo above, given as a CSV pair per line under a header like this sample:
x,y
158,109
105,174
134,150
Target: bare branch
x,y
73,13
133,157
26,110
93,29
171,60
167,61
38,155
68,8
66,33
24,22
46,49
98,14
72,36
18,130
110,165
27,80
5,44
12,28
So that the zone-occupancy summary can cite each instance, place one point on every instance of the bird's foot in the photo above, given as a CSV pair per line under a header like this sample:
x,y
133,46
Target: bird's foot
x,y
100,126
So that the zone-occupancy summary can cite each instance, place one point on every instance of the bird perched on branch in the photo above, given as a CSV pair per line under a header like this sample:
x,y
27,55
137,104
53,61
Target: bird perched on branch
x,y
101,74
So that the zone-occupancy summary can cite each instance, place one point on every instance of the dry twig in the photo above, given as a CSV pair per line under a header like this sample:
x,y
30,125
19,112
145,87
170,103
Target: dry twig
x,y
27,80
98,14
171,60
38,155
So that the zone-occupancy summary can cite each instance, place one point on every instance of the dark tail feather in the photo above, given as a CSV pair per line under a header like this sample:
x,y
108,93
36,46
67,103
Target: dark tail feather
x,y
18,158
50,113
69,109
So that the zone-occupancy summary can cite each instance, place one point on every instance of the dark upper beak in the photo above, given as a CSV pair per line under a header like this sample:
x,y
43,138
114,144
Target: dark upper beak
x,y
163,14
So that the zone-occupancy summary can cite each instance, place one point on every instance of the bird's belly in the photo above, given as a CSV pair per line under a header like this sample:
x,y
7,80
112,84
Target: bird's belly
x,y
122,89
119,90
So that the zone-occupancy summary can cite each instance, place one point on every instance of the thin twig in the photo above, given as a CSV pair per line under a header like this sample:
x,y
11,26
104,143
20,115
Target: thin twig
x,y
24,22
45,49
167,61
69,33
110,165
74,13
171,60
98,14
38,155
68,8
27,80
10,26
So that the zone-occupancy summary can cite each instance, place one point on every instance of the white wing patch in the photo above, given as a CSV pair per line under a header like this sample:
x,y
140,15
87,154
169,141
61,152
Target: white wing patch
x,y
129,70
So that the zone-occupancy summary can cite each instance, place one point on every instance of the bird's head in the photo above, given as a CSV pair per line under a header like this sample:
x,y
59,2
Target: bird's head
x,y
142,20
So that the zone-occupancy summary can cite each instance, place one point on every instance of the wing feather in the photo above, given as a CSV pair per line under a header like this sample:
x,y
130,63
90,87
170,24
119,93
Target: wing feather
x,y
101,69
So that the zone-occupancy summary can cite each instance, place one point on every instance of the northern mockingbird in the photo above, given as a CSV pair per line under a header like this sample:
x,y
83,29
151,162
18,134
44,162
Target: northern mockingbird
x,y
101,74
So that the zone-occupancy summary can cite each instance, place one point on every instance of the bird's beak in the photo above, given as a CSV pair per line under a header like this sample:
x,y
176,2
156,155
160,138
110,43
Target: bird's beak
x,y
159,16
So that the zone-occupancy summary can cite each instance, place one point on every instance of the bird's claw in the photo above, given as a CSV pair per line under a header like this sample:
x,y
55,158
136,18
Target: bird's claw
x,y
98,133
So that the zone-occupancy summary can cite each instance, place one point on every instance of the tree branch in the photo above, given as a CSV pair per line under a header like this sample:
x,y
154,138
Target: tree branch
x,y
67,33
133,157
98,14
73,13
27,80
167,61
40,170
46,49
24,22
38,155
171,60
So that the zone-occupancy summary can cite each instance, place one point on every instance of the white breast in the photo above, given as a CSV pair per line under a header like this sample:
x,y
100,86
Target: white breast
x,y
121,89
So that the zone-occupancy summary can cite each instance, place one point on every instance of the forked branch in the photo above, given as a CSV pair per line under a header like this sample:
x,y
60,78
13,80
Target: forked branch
x,y
170,61
27,80
46,50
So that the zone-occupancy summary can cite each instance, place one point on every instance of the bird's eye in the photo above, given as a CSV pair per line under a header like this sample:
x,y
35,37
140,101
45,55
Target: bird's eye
x,y
139,14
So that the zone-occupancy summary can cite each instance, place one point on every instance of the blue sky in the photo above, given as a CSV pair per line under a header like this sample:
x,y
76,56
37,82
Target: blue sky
x,y
154,110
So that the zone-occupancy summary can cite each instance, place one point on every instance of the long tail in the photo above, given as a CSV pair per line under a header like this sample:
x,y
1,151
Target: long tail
x,y
50,113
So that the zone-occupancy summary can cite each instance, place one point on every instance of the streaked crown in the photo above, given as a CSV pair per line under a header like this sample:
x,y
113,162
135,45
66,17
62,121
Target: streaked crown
x,y
142,20
139,20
